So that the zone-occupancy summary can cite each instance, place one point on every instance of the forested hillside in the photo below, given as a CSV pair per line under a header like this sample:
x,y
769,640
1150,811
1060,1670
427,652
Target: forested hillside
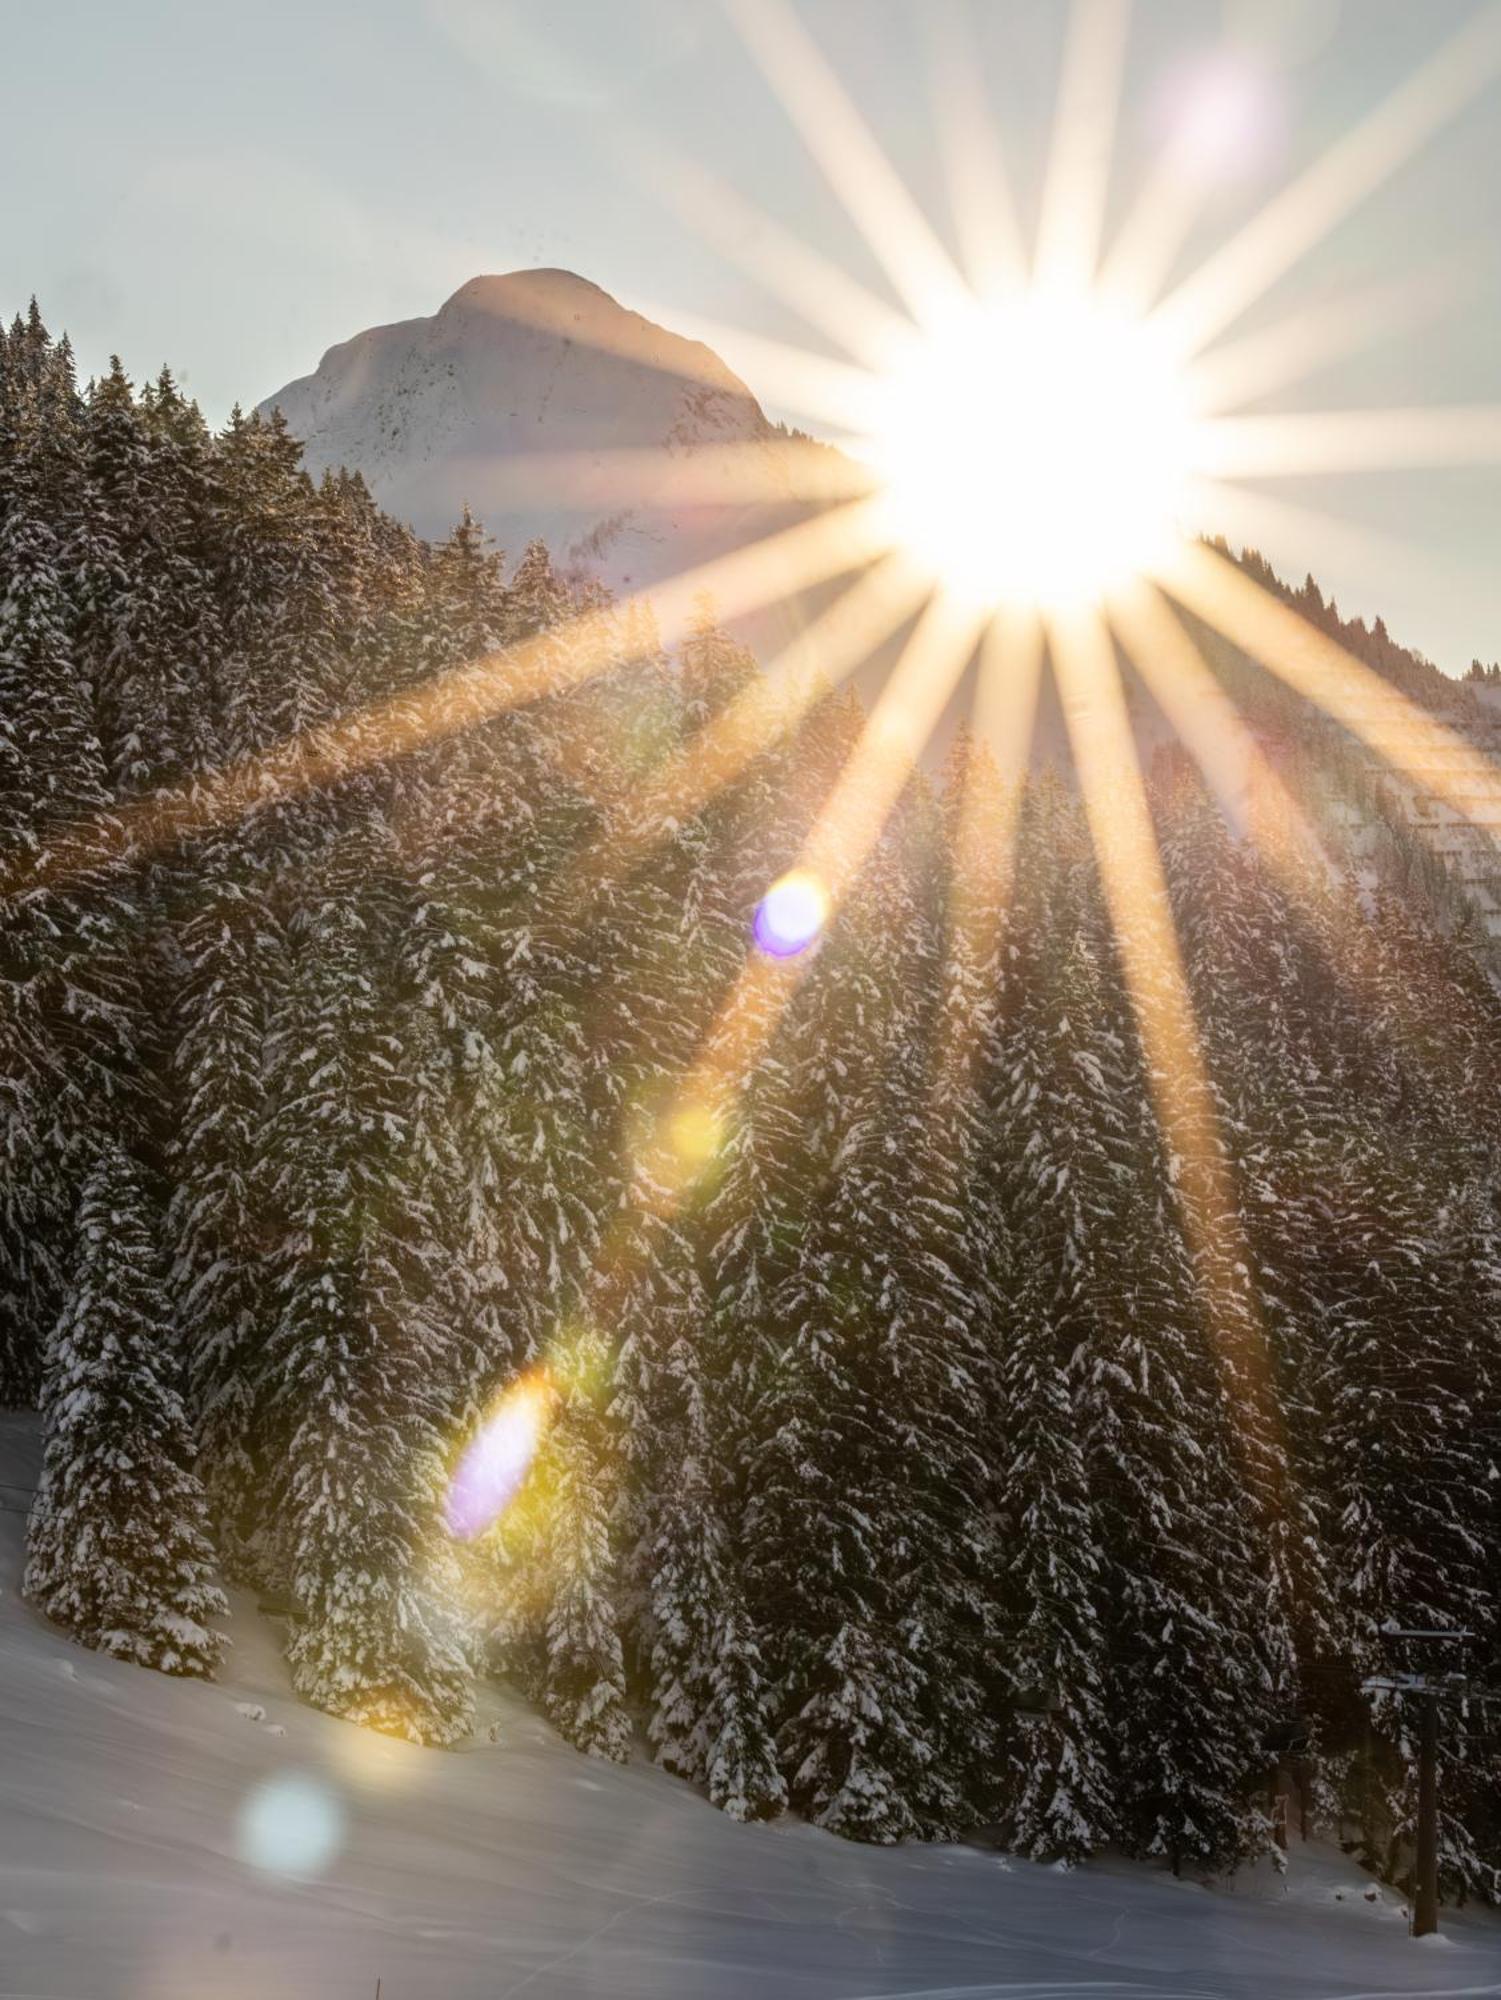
x,y
901,1474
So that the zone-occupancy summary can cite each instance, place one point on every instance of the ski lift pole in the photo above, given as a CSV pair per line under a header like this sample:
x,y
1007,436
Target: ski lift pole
x,y
1425,1885
1425,1890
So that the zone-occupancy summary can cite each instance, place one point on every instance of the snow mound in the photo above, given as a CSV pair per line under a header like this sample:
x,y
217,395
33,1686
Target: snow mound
x,y
152,1844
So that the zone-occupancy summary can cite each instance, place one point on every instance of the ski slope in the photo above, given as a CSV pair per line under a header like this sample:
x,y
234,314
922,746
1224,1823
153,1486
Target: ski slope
x,y
142,1821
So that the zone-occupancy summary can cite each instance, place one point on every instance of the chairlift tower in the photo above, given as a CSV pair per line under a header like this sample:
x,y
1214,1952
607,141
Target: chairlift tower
x,y
1429,1688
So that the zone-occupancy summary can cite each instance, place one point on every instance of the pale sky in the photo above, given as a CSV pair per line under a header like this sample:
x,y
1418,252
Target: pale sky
x,y
233,189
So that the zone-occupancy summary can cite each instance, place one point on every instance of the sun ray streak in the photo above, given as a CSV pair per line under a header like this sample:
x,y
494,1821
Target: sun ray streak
x,y
1292,222
766,471
891,742
1415,745
553,661
824,296
812,384
984,839
988,228
1243,779
1311,441
1250,792
1299,345
1115,802
829,648
840,840
814,286
1261,520
1007,688
1156,227
852,160
1072,217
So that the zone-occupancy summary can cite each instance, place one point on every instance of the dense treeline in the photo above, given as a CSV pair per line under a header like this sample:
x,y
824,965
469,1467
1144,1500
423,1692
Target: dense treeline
x,y
905,1468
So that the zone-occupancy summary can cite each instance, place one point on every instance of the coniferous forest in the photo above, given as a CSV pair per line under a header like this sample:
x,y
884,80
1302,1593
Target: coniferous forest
x,y
900,1474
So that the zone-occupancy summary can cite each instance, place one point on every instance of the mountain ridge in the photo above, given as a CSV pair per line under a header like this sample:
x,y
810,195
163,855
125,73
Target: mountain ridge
x,y
455,410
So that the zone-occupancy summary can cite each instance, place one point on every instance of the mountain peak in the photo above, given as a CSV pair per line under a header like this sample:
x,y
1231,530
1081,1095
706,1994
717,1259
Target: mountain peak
x,y
544,285
447,410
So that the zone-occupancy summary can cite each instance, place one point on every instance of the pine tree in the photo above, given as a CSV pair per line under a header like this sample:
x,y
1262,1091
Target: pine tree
x,y
70,1022
351,1416
117,1542
1061,1142
559,1629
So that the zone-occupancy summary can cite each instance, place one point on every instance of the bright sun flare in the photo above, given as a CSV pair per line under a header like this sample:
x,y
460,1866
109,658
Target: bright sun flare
x,y
1039,450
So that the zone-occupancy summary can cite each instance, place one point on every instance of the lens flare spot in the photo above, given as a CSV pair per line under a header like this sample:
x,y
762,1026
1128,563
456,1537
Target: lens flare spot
x,y
1223,116
292,1825
791,914
695,1134
495,1462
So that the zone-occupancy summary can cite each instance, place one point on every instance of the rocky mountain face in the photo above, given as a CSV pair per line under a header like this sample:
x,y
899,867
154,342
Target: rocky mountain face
x,y
519,398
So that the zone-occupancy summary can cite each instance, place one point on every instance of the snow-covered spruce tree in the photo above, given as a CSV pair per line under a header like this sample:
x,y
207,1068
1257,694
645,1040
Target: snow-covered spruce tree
x,y
1247,985
1059,1140
841,1457
1185,1575
1415,1512
707,1714
959,1229
352,1429
149,625
69,1019
216,1213
558,1629
117,1543
938,1338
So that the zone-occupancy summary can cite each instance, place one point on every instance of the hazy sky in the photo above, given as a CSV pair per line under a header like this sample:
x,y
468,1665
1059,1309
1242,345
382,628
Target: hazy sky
x,y
233,189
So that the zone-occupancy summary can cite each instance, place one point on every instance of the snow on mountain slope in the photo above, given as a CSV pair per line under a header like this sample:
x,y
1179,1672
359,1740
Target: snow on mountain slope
x,y
436,412
515,1866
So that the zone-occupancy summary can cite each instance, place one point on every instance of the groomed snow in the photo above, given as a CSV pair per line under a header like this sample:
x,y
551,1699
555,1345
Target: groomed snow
x,y
128,1803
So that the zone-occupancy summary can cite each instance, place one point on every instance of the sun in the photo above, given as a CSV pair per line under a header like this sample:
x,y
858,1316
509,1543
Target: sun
x,y
1040,450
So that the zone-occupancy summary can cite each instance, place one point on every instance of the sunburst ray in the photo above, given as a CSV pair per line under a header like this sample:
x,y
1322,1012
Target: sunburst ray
x,y
836,849
1408,740
984,829
852,161
815,386
1308,441
1299,344
1136,895
981,200
1250,792
767,471
1071,220
1294,221
818,290
894,737
555,660
836,641
1257,519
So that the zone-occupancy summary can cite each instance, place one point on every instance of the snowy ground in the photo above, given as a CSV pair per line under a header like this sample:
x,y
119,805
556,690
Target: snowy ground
x,y
128,1804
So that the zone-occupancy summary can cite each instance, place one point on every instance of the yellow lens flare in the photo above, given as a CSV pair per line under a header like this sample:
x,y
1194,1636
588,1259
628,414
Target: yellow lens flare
x,y
493,1466
1039,449
672,1151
